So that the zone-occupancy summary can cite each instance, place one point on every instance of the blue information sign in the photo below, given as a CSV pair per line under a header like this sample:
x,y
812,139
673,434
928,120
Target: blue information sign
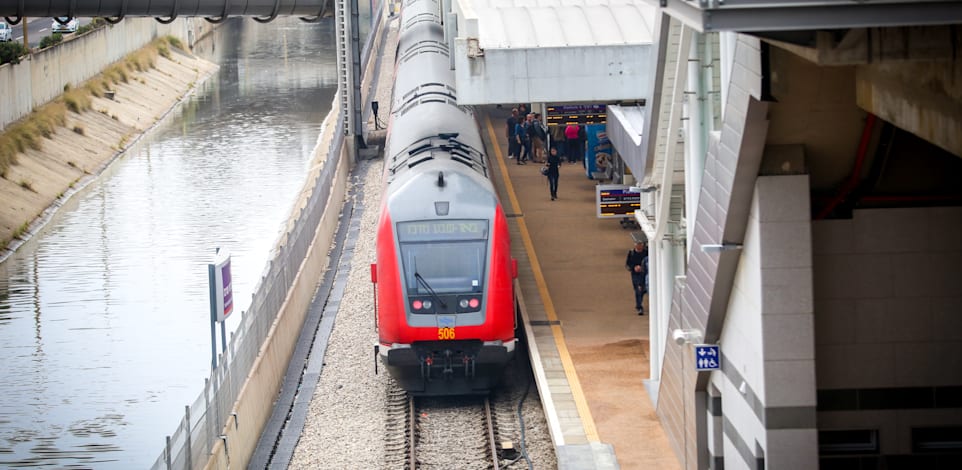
x,y
707,357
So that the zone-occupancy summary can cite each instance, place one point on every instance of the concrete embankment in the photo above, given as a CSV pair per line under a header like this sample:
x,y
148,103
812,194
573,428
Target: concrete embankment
x,y
32,189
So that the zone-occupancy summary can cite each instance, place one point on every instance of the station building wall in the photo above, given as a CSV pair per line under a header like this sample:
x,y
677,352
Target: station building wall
x,y
888,322
815,105
763,399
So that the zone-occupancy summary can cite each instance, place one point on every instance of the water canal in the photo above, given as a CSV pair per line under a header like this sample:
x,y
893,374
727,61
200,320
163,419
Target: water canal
x,y
104,333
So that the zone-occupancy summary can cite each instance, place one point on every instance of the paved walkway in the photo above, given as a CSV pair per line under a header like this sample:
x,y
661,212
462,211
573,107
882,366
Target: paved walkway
x,y
581,259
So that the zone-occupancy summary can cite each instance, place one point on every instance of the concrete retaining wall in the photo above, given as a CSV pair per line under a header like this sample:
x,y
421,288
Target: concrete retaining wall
x,y
41,76
255,403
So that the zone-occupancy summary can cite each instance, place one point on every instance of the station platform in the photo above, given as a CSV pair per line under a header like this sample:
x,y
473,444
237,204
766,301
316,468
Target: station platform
x,y
588,345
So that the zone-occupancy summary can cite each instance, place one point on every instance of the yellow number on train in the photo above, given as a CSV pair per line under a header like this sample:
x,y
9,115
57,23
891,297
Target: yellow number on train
x,y
445,333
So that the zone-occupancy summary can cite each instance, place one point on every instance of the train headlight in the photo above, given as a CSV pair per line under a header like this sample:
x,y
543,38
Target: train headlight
x,y
416,305
469,303
427,304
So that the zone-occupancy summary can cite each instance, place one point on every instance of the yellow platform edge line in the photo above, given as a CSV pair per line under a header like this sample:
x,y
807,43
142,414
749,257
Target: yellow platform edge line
x,y
591,433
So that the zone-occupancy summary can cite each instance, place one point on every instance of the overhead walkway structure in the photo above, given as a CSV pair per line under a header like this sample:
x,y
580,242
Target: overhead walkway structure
x,y
551,51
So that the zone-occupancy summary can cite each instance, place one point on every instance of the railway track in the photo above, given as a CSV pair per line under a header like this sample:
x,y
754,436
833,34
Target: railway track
x,y
441,433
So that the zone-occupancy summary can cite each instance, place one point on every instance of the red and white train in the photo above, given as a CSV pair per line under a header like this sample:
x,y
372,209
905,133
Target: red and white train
x,y
444,274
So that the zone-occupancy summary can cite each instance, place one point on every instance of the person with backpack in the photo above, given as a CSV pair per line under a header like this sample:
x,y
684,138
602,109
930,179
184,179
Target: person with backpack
x,y
637,264
538,137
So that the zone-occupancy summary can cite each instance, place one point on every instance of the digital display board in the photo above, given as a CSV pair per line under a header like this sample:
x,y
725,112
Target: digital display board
x,y
616,200
442,230
576,114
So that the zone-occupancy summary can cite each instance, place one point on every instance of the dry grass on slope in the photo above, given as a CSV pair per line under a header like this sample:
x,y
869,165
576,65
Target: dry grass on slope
x,y
73,137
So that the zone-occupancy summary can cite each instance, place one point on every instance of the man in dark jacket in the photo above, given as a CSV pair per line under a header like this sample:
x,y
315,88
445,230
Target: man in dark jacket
x,y
552,165
523,138
637,264
512,124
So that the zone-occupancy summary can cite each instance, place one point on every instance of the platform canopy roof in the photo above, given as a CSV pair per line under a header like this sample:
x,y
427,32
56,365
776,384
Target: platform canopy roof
x,y
552,51
519,24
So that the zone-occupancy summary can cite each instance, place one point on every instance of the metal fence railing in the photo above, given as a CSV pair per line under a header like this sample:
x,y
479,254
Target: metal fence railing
x,y
199,430
191,443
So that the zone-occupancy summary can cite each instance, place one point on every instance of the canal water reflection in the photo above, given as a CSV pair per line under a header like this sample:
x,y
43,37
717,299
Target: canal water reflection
x,y
104,330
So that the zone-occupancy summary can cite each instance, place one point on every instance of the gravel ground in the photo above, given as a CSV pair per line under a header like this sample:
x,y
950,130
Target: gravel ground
x,y
451,433
506,399
346,418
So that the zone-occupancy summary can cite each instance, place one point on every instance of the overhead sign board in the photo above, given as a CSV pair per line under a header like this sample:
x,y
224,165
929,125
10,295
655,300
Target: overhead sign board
x,y
616,200
582,114
707,357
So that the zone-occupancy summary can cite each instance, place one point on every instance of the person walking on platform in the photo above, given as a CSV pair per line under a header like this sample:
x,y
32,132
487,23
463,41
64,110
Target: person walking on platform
x,y
552,166
636,263
512,124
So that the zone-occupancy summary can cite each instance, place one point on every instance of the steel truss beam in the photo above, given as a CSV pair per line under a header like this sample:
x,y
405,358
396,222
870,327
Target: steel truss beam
x,y
766,15
265,9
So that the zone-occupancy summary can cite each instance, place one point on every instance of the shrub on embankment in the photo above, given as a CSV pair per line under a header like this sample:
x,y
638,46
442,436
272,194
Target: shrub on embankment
x,y
29,132
12,52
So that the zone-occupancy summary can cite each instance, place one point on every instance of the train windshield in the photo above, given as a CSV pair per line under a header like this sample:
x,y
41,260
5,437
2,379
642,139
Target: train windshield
x,y
448,254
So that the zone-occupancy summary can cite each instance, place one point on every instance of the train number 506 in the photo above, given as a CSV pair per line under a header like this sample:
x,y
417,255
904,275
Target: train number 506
x,y
445,333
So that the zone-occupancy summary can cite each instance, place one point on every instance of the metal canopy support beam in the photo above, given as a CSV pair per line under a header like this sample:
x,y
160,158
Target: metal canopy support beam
x,y
344,63
160,8
349,70
754,15
358,128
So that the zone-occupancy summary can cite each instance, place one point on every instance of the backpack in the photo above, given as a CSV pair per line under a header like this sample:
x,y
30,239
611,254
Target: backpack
x,y
539,130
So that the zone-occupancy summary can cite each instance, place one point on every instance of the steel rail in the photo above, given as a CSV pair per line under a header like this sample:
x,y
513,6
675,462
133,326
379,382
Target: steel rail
x,y
489,434
412,429
491,442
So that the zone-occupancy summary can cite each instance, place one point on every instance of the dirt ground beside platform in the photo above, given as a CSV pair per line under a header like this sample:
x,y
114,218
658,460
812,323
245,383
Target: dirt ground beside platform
x,y
610,374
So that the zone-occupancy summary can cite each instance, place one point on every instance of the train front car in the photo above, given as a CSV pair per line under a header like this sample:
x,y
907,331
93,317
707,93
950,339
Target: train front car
x,y
444,273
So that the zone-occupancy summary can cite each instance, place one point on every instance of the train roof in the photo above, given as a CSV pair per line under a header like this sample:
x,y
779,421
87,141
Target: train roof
x,y
444,146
